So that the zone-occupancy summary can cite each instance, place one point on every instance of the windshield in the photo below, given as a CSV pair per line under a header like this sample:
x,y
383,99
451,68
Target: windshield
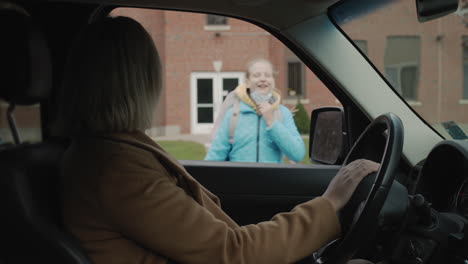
x,y
426,63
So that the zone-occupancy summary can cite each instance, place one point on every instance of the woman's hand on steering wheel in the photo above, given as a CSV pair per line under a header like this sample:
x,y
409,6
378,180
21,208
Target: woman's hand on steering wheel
x,y
381,141
346,180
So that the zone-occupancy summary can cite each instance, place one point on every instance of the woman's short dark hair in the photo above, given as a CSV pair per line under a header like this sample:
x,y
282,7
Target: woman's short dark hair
x,y
112,80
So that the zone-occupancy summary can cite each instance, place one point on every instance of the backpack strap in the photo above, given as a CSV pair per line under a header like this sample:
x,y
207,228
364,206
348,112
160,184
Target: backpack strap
x,y
233,120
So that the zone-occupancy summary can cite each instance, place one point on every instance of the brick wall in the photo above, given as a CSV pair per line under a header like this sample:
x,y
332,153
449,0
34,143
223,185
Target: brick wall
x,y
190,48
185,46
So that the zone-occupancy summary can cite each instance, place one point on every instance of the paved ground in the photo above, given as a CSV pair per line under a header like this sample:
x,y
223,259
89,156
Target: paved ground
x,y
202,139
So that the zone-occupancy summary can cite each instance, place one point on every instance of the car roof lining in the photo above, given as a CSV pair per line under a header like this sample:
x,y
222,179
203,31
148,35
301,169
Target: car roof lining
x,y
276,14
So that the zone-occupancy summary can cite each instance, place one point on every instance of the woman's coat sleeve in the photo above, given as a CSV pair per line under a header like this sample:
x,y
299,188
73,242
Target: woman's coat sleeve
x,y
140,200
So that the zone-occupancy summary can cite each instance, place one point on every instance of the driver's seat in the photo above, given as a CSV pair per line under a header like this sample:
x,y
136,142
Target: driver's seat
x,y
30,223
31,229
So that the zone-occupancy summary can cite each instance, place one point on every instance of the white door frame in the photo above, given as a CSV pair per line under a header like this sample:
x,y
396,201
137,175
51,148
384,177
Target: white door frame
x,y
217,78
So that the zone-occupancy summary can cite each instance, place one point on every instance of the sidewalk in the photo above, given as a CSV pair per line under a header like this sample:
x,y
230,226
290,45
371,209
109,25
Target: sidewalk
x,y
200,138
203,139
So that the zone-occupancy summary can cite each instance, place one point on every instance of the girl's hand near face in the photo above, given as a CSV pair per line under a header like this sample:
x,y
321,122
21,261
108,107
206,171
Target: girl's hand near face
x,y
266,110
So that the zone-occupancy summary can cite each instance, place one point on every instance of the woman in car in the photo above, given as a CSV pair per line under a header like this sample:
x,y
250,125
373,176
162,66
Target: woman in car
x,y
258,128
129,201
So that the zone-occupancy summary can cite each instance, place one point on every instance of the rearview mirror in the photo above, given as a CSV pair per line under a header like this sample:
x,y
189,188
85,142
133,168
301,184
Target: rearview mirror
x,y
327,138
432,9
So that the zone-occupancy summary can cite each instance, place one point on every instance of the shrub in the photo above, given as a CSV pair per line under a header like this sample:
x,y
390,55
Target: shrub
x,y
302,120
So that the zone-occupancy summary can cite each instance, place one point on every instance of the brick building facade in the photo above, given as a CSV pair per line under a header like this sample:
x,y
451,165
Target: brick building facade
x,y
201,56
191,49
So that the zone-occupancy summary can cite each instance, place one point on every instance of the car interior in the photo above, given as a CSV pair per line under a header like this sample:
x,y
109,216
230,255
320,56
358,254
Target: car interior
x,y
410,211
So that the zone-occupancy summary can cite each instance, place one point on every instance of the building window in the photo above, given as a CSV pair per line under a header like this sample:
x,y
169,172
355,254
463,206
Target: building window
x,y
214,20
295,78
402,65
216,23
465,67
362,45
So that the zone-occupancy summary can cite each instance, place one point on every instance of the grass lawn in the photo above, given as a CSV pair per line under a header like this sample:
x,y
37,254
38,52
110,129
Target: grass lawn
x,y
184,150
189,150
306,160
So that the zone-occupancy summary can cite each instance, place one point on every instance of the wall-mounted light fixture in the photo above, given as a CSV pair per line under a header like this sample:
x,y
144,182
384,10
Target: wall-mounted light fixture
x,y
217,65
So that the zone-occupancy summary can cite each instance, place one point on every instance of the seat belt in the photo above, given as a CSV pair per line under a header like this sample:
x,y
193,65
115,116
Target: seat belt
x,y
233,120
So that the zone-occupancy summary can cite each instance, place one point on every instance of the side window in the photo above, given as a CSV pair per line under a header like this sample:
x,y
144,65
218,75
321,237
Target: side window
x,y
402,65
27,120
206,59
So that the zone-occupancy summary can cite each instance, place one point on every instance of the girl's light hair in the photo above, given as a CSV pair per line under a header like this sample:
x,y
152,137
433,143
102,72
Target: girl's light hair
x,y
112,80
257,60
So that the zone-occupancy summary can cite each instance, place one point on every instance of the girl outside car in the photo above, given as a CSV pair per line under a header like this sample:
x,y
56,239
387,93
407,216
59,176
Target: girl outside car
x,y
263,130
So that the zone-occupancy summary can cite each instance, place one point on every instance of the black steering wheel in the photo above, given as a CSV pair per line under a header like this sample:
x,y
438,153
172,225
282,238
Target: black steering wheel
x,y
382,142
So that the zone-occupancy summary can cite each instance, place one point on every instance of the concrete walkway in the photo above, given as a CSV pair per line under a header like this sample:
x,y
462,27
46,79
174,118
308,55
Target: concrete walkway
x,y
204,139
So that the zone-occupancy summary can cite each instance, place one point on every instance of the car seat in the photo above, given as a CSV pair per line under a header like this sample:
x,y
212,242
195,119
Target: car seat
x,y
31,228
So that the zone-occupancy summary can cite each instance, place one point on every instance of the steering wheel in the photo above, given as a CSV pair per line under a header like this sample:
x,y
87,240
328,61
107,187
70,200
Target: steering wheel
x,y
381,141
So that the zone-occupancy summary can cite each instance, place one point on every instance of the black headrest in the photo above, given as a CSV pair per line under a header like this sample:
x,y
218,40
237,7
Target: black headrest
x,y
25,66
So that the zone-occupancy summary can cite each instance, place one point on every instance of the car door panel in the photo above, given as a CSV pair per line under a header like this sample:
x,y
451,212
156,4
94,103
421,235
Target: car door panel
x,y
251,193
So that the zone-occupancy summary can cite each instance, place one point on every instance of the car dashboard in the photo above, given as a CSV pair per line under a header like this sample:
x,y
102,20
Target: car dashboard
x,y
444,177
434,228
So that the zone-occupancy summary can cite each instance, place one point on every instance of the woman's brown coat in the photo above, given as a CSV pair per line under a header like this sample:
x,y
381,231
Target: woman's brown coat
x,y
129,201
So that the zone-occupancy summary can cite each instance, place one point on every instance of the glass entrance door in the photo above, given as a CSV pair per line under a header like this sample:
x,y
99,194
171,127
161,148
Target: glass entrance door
x,y
208,91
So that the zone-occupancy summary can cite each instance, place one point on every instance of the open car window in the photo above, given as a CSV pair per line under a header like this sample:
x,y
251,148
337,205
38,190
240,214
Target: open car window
x,y
204,58
425,63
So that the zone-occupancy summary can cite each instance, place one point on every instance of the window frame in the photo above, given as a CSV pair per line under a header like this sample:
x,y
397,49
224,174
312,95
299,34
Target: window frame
x,y
327,81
